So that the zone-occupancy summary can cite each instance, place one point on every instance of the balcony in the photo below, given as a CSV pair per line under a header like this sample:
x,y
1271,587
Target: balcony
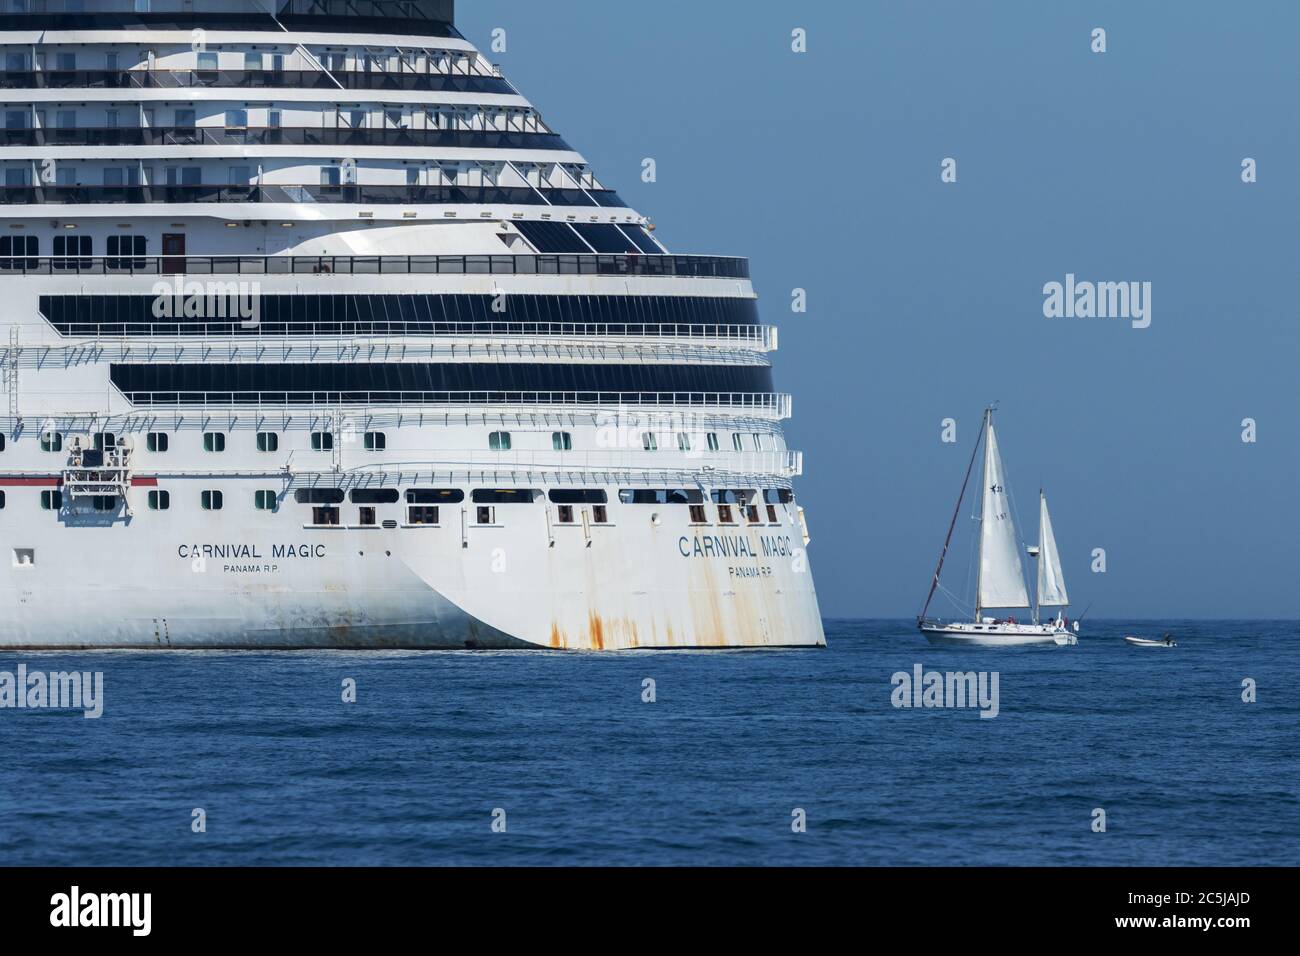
x,y
278,136
695,267
768,404
310,193
252,79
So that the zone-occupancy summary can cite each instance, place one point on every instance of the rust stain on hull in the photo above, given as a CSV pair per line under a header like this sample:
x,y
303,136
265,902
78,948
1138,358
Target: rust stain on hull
x,y
596,631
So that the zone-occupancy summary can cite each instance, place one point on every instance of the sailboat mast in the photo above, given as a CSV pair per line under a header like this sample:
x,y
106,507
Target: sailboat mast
x,y
934,583
1036,590
979,562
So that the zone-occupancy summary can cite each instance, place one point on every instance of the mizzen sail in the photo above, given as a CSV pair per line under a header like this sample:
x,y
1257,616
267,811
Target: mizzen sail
x,y
1051,582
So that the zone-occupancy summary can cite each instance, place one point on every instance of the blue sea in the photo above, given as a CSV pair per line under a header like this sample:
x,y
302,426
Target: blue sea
x,y
564,751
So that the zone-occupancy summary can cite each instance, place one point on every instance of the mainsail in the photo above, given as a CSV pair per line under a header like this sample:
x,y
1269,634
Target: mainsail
x,y
1002,580
1051,582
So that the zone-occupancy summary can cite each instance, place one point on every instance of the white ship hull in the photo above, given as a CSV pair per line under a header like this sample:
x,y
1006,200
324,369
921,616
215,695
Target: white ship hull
x,y
997,635
637,586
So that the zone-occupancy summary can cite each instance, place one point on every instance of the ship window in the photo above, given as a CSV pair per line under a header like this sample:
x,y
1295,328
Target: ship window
x,y
566,514
375,441
214,441
268,441
724,514
68,247
322,441
642,240
422,514
697,515
771,514
578,496
758,442
325,516
499,441
728,496
104,440
156,441
52,441
782,496
550,237
485,515
160,500
712,438
660,496
751,514
366,516
211,500
252,61
126,252
2,442
561,441
265,500
649,441
65,61
600,514
12,247
736,442
432,496
104,502
18,178
374,496
318,496
683,441
207,60
51,500
2,499
505,496
606,237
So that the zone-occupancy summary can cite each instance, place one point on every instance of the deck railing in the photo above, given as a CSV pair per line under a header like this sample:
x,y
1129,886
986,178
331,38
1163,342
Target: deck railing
x,y
771,403
694,267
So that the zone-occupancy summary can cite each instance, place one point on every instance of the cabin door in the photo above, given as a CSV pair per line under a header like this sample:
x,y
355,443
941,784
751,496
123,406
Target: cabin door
x,y
173,250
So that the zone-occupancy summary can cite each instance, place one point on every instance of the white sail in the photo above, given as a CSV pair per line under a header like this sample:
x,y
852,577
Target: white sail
x,y
1002,580
1051,582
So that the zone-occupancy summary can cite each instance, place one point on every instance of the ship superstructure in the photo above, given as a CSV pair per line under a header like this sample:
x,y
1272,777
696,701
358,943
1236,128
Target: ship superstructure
x,y
315,334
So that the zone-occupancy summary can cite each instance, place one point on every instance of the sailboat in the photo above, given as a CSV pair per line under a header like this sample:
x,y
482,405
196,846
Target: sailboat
x,y
1001,579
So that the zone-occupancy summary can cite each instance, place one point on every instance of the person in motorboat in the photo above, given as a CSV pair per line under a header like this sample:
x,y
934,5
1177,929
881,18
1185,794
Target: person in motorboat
x,y
1168,638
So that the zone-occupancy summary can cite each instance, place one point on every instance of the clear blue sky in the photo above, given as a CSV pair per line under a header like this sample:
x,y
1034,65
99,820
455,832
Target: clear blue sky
x,y
925,298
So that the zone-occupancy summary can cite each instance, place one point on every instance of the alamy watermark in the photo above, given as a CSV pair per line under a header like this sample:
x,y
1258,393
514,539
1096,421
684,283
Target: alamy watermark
x,y
212,299
56,690
1072,299
955,689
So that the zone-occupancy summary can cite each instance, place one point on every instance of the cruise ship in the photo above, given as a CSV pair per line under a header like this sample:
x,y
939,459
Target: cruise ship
x,y
315,334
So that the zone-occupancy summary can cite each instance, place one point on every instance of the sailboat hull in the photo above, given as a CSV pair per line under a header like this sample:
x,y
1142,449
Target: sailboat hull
x,y
996,635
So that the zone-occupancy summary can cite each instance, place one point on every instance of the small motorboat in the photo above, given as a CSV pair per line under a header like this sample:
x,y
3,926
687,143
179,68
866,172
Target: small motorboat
x,y
1165,641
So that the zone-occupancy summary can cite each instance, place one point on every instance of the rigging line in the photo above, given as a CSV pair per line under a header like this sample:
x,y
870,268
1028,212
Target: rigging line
x,y
952,524
961,607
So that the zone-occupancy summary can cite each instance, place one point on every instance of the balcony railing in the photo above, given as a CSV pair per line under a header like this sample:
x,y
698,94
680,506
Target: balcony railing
x,y
305,193
694,267
277,136
772,403
252,79
233,336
